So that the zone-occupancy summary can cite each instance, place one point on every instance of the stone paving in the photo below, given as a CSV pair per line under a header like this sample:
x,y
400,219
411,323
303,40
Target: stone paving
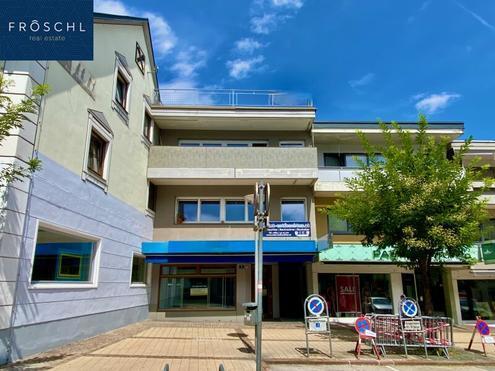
x,y
150,345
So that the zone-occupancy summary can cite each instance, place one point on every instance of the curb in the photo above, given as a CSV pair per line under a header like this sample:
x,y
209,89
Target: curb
x,y
372,362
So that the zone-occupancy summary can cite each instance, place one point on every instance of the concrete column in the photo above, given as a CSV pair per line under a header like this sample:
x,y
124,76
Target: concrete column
x,y
313,274
243,286
451,290
396,288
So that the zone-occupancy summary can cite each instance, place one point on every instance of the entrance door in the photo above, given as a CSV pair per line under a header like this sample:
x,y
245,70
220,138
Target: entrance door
x,y
267,291
292,290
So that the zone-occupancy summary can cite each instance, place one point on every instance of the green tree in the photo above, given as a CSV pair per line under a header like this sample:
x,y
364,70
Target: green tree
x,y
11,117
415,200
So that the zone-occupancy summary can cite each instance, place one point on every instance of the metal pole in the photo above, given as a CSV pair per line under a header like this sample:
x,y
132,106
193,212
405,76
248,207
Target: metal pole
x,y
259,273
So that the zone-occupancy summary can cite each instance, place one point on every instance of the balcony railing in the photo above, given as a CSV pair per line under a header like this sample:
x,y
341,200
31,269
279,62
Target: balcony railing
x,y
231,98
326,174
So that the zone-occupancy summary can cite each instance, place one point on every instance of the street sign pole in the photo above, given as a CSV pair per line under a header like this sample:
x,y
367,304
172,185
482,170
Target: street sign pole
x,y
261,208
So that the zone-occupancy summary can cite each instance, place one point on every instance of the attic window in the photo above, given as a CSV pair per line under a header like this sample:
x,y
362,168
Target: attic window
x,y
140,58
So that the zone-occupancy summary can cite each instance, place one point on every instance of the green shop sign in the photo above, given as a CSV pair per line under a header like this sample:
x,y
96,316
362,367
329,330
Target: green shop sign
x,y
488,249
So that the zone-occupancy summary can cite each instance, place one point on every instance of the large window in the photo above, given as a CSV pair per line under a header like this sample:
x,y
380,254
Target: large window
x,y
477,298
197,287
350,160
293,210
338,226
219,210
61,257
138,272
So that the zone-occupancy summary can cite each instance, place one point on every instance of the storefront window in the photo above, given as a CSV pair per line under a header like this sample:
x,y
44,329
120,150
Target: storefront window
x,y
197,287
349,295
477,298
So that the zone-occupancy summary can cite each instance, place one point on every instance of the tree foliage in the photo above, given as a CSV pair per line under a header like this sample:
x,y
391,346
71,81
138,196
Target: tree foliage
x,y
414,199
11,116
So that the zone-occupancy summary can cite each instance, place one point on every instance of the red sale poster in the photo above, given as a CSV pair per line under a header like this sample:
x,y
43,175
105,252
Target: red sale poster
x,y
348,296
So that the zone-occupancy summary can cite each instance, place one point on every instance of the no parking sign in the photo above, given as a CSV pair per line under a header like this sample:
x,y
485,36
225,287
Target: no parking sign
x,y
316,319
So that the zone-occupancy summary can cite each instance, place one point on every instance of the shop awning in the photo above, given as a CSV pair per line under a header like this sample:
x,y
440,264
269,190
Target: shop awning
x,y
227,251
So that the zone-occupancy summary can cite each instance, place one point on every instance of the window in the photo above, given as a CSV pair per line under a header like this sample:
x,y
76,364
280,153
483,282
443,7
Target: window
x,y
218,210
333,159
62,257
292,143
235,210
201,287
476,299
121,90
152,193
98,147
148,127
338,226
353,159
140,58
293,210
138,272
97,154
187,211
209,211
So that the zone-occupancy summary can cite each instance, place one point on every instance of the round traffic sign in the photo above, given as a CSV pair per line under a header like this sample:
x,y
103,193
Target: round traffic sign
x,y
362,325
409,308
316,306
483,327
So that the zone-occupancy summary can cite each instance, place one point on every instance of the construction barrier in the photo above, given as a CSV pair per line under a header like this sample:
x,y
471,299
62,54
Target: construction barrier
x,y
483,329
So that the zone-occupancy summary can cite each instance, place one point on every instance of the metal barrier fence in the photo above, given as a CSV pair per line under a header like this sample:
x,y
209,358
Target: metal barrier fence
x,y
435,332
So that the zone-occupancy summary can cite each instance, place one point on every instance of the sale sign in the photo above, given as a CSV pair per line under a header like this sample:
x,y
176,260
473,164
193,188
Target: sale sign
x,y
348,295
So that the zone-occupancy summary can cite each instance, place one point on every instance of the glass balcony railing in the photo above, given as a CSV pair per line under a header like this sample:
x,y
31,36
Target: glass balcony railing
x,y
231,98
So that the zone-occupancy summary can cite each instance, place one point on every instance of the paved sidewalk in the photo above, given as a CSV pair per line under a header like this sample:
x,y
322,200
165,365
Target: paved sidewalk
x,y
149,345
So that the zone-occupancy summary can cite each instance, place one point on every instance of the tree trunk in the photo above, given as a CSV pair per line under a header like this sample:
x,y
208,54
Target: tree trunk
x,y
424,270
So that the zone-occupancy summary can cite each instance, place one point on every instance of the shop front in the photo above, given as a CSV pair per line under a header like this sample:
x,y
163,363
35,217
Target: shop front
x,y
214,278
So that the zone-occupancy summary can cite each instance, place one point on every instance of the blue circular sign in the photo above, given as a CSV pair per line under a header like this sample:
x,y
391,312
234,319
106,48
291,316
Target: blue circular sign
x,y
409,308
316,306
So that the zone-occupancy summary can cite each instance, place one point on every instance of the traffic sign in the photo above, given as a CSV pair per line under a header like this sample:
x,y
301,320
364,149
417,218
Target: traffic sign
x,y
483,327
409,308
316,306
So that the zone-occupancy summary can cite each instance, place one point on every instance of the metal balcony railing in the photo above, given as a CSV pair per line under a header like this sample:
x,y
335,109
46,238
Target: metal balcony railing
x,y
231,98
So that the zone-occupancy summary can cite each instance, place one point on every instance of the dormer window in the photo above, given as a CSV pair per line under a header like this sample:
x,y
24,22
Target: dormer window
x,y
140,58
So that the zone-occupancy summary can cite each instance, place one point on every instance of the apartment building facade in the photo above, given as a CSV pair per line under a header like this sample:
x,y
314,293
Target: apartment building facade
x,y
70,253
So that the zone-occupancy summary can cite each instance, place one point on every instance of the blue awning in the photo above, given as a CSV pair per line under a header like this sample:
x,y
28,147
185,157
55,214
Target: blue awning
x,y
227,251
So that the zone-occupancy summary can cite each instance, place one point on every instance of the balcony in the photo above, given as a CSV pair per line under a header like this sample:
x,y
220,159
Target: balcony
x,y
240,166
221,109
333,180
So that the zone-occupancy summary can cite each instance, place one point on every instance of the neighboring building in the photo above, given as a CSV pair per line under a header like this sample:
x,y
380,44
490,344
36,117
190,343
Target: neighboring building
x,y
70,254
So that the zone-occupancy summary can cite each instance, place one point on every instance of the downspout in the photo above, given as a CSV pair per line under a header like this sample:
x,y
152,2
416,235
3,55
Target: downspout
x,y
22,249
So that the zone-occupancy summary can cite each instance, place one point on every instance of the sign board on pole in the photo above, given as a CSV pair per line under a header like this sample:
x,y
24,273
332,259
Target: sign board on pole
x,y
288,229
318,325
316,319
412,325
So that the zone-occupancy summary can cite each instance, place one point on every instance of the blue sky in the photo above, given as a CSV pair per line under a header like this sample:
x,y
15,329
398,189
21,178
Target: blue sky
x,y
359,59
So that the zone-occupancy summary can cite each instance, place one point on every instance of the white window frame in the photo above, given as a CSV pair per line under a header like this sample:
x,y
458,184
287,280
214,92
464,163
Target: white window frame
x,y
95,264
147,111
295,199
291,143
138,284
102,182
123,112
223,143
222,201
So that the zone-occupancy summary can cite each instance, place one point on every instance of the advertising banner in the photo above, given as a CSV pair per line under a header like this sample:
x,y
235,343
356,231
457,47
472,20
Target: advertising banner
x,y
288,229
348,295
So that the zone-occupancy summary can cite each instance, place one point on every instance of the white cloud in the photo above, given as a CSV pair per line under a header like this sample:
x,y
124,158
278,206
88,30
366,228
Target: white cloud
x,y
289,3
111,7
164,39
264,24
365,80
188,61
434,102
425,5
242,68
476,16
247,45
